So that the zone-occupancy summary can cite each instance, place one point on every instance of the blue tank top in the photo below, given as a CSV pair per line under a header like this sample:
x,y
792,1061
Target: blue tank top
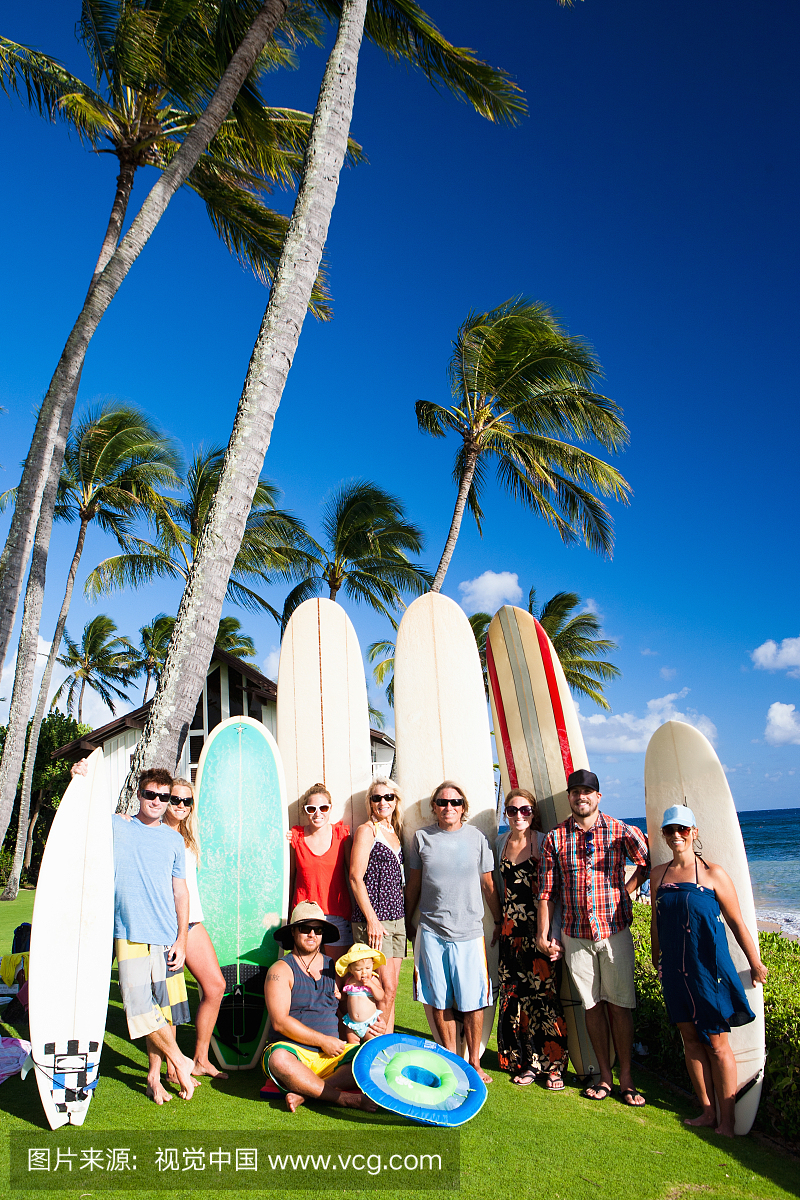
x,y
314,1001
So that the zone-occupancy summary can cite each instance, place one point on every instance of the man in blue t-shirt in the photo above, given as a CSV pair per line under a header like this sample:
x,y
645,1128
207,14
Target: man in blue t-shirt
x,y
151,925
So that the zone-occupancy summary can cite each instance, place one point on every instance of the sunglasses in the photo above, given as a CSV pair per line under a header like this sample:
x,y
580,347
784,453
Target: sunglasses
x,y
524,810
388,797
313,808
452,803
681,829
176,800
162,797
315,929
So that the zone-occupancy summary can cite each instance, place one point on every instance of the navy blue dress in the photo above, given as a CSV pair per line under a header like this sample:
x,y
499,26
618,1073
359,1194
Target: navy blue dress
x,y
698,978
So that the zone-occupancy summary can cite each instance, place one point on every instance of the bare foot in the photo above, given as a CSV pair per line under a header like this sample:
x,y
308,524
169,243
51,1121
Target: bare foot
x,y
206,1067
725,1131
188,1065
704,1121
187,1084
157,1092
486,1078
294,1100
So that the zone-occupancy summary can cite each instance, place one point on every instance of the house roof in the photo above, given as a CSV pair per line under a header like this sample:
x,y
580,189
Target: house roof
x,y
256,685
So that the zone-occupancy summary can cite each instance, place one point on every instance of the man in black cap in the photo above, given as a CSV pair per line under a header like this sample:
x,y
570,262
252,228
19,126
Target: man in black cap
x,y
305,1056
583,862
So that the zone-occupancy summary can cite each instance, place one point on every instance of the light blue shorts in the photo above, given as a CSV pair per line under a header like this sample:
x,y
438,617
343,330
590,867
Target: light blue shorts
x,y
359,1028
451,974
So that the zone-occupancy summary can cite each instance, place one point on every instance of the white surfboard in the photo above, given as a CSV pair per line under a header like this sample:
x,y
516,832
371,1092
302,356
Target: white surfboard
x,y
323,716
442,730
681,767
71,948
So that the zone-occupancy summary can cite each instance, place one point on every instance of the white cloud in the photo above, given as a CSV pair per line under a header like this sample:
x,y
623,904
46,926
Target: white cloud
x,y
591,606
783,725
625,733
647,652
668,672
270,664
784,657
489,591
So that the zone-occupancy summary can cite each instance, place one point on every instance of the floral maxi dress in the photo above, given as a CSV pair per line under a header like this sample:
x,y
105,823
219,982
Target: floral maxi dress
x,y
531,1031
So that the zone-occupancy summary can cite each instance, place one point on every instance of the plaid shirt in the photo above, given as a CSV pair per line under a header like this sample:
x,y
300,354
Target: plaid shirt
x,y
587,870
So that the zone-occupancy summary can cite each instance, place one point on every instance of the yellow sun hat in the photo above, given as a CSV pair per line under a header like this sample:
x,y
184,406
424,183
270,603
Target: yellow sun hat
x,y
357,952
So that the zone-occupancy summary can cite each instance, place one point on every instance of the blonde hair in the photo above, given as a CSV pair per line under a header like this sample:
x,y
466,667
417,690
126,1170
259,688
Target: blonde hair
x,y
397,815
449,783
188,827
524,794
316,789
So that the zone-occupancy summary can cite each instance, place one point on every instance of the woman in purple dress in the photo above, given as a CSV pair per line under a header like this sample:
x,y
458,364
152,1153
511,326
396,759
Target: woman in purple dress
x,y
376,881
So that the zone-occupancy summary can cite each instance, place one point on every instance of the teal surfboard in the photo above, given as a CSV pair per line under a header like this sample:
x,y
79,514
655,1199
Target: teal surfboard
x,y
243,876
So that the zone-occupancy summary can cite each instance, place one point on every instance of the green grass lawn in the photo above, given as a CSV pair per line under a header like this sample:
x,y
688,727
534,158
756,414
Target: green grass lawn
x,y
524,1143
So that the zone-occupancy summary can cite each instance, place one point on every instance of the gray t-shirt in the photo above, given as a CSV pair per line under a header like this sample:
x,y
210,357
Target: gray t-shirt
x,y
146,859
451,901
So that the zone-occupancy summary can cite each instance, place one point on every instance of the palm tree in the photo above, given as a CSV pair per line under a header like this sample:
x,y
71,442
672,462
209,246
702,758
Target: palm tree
x,y
398,26
275,544
521,386
365,555
100,662
232,640
156,66
576,643
412,35
381,655
114,461
152,651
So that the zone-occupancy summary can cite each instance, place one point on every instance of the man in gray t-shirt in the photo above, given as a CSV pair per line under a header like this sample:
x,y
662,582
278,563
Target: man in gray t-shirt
x,y
450,873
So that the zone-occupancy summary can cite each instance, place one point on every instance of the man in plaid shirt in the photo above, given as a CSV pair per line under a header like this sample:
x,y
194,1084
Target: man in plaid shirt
x,y
583,864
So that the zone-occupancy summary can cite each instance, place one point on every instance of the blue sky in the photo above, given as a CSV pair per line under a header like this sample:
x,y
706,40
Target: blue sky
x,y
649,198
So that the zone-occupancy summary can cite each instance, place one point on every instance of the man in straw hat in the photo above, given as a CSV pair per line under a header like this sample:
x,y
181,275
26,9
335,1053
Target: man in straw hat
x,y
305,1056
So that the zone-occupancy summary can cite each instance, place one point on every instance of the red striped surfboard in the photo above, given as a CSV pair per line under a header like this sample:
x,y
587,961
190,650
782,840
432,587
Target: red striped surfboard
x,y
539,743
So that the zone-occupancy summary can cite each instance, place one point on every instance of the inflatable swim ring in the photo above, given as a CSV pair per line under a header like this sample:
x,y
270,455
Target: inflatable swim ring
x,y
418,1079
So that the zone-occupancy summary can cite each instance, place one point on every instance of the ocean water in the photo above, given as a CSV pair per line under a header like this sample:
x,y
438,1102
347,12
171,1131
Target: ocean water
x,y
772,841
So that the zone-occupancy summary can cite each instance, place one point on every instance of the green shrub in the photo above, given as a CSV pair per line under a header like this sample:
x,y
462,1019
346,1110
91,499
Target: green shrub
x,y
780,1100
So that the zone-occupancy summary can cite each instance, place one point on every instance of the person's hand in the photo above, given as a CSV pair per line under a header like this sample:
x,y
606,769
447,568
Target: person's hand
x,y
758,974
375,934
332,1047
543,945
556,950
411,932
495,934
377,1028
79,768
176,956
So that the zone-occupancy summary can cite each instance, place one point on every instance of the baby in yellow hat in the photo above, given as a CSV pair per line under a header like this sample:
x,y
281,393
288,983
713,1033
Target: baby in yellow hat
x,y
362,988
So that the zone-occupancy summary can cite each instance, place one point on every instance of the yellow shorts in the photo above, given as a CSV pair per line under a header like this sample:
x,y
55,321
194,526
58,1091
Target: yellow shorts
x,y
322,1066
153,995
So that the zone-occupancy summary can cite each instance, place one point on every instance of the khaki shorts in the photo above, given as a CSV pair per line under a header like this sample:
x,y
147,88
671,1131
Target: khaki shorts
x,y
602,970
394,937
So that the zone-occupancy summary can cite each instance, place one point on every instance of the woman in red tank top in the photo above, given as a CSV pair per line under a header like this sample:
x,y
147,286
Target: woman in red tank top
x,y
320,865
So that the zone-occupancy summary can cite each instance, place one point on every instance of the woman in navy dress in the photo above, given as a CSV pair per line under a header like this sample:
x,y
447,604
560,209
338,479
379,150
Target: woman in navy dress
x,y
702,991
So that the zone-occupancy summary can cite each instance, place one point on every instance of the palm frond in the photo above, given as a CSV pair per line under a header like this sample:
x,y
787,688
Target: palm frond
x,y
44,84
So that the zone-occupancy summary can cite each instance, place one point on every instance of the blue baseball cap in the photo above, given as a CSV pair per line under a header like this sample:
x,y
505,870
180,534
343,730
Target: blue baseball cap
x,y
679,814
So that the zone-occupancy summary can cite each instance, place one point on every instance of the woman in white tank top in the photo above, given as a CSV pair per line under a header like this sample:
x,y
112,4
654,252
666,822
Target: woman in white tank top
x,y
201,958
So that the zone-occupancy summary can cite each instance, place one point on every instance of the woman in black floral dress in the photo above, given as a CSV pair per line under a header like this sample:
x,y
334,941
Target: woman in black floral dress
x,y
531,1032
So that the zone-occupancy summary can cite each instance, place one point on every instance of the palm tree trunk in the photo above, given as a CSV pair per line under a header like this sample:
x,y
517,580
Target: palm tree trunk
x,y
201,605
27,651
28,855
61,393
455,524
12,886
80,700
127,170
146,687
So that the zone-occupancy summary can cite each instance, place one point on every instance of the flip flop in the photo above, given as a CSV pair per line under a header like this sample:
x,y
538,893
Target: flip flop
x,y
630,1096
596,1089
554,1082
525,1079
